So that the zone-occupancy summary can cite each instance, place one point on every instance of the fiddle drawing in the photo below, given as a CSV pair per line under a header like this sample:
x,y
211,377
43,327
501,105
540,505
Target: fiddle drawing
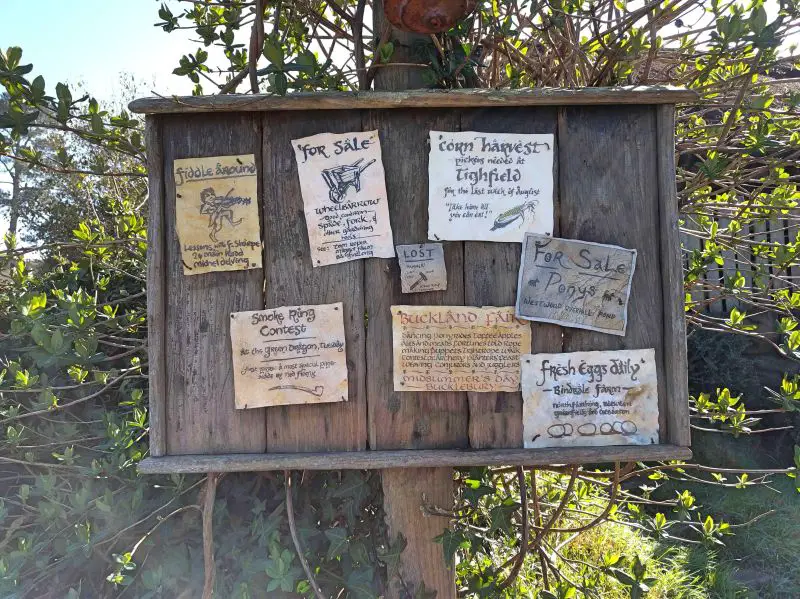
x,y
219,209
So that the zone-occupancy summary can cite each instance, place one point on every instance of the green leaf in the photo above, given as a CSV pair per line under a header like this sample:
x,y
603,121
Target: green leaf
x,y
36,303
41,336
623,576
452,541
708,525
273,52
424,593
758,19
13,57
386,51
500,517
306,61
63,94
359,583
281,84
390,556
37,89
338,542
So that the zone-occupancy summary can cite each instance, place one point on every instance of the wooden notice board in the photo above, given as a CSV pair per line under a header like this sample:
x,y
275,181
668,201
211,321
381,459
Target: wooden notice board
x,y
614,183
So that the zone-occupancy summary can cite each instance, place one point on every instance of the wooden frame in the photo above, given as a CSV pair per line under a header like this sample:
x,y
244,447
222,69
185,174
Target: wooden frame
x,y
615,164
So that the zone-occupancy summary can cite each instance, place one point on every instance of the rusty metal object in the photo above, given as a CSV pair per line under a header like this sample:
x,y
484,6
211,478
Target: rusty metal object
x,y
426,16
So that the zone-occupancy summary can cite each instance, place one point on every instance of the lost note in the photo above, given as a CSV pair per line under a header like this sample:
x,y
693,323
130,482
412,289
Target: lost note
x,y
422,267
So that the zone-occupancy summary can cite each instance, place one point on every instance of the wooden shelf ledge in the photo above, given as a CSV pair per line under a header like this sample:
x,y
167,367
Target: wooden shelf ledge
x,y
409,458
462,98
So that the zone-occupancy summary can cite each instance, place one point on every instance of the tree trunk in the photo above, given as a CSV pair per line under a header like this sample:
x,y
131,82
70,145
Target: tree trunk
x,y
422,561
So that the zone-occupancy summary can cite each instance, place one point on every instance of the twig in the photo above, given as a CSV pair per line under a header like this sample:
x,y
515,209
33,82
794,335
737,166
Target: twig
x,y
523,498
41,464
68,404
357,24
376,56
612,501
559,510
295,539
231,85
256,45
537,514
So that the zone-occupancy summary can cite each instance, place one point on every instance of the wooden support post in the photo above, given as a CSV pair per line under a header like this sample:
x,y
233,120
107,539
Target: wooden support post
x,y
404,489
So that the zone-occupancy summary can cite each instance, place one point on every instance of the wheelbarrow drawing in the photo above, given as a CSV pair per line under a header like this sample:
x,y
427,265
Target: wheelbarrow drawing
x,y
339,178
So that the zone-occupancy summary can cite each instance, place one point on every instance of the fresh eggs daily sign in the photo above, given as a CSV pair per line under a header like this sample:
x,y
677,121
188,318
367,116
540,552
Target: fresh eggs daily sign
x,y
489,186
590,398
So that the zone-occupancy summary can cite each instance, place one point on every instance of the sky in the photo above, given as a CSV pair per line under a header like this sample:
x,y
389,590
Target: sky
x,y
90,44
93,41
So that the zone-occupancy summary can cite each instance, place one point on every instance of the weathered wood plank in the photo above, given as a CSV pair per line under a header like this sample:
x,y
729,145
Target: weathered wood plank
x,y
156,288
399,460
675,360
408,420
291,280
609,194
462,98
490,279
199,390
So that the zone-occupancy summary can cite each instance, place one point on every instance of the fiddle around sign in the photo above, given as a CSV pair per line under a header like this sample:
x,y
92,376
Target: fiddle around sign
x,y
289,355
575,283
590,398
344,196
489,186
216,209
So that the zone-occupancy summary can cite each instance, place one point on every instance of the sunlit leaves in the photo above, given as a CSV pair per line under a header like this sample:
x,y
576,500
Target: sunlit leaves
x,y
452,541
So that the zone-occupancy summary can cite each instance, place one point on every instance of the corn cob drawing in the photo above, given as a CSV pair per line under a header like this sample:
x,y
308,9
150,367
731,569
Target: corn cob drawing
x,y
513,214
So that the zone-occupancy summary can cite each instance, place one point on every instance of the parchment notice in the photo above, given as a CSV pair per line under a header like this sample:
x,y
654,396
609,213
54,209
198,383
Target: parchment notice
x,y
575,283
489,186
422,267
457,348
216,207
590,398
289,355
344,196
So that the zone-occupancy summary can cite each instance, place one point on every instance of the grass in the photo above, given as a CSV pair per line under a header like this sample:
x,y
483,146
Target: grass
x,y
681,572
766,554
759,561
